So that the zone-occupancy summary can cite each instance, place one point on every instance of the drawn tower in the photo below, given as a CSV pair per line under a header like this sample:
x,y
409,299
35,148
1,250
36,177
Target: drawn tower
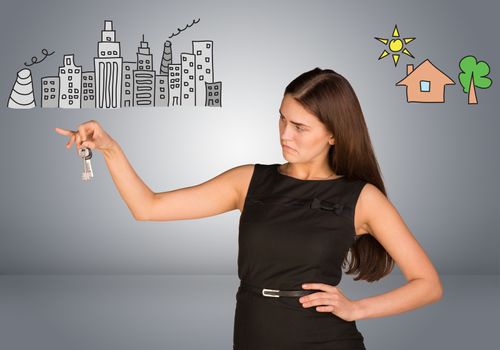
x,y
108,67
144,77
167,57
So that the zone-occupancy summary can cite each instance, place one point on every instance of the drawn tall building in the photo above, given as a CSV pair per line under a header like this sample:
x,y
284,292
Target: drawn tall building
x,y
188,94
174,84
88,90
166,58
50,92
128,84
108,69
70,83
144,77
203,51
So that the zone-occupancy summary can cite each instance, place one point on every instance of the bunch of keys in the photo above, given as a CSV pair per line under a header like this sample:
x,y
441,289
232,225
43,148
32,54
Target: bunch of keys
x,y
86,153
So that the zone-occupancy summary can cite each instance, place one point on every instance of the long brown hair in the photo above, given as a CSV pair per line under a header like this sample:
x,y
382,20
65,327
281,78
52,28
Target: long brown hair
x,y
330,97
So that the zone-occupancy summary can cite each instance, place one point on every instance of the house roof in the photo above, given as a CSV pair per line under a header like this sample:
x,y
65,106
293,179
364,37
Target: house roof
x,y
426,70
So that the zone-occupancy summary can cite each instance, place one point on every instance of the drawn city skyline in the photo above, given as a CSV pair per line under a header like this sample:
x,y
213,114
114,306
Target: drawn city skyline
x,y
116,83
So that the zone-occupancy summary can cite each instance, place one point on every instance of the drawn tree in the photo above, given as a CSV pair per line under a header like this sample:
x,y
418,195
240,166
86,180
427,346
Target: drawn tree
x,y
474,74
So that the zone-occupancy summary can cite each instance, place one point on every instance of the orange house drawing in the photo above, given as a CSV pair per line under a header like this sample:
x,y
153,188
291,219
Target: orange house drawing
x,y
426,83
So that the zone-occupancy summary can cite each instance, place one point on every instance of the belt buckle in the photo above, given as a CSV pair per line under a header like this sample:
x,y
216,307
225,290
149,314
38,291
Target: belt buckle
x,y
265,290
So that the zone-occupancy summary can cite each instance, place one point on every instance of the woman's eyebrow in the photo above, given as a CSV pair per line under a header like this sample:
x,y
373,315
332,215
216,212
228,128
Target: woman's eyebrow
x,y
299,124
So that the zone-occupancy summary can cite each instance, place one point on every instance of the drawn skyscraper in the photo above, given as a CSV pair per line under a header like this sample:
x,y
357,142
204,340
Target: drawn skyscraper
x,y
188,94
167,57
144,77
108,69
70,83
203,51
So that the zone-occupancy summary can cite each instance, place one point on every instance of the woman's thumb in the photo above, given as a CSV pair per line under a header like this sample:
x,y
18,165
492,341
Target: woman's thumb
x,y
88,144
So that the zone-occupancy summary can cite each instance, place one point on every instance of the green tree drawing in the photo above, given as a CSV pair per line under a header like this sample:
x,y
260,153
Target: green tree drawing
x,y
474,74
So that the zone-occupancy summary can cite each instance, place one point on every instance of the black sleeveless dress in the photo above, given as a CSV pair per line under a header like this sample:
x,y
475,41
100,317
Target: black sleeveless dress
x,y
293,231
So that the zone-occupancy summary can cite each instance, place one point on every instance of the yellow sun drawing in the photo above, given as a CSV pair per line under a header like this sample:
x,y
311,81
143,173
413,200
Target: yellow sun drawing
x,y
396,45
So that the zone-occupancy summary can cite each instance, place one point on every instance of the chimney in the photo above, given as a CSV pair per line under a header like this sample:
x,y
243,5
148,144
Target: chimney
x,y
409,69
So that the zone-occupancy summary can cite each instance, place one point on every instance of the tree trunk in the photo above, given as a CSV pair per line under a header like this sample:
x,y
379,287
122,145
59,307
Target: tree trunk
x,y
472,91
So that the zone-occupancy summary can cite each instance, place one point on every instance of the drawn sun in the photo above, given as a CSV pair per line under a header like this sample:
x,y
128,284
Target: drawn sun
x,y
396,45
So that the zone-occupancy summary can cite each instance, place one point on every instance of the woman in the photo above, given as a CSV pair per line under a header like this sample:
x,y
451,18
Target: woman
x,y
298,222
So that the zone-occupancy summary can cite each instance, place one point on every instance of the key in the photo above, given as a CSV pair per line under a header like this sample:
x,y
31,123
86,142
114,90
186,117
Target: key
x,y
85,154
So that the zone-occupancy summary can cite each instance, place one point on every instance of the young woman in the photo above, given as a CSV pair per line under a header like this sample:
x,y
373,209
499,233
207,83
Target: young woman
x,y
298,223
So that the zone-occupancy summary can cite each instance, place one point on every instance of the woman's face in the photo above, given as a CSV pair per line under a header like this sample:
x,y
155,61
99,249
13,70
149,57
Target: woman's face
x,y
306,137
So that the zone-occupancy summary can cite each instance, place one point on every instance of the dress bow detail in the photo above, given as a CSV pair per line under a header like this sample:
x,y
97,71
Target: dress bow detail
x,y
321,204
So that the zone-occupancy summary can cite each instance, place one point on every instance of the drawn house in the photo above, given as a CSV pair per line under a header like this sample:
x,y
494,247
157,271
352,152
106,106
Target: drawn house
x,y
203,51
174,84
108,69
88,90
188,92
426,83
70,83
161,92
128,84
214,94
50,92
144,77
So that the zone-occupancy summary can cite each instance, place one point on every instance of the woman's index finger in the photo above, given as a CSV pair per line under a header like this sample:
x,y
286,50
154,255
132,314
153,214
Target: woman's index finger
x,y
63,131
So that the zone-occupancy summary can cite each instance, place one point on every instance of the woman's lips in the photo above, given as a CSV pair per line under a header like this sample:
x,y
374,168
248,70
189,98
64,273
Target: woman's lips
x,y
287,147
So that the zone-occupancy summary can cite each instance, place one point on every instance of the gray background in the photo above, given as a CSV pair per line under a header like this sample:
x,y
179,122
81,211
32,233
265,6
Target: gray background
x,y
439,164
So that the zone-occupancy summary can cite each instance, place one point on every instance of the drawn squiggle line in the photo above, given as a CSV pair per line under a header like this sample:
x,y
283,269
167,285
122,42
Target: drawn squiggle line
x,y
183,29
34,59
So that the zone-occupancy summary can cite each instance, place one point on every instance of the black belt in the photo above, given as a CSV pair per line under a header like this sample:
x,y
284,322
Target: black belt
x,y
275,292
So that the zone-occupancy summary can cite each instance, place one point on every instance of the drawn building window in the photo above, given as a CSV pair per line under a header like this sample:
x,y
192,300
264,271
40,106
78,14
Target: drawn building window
x,y
70,91
186,96
115,52
184,58
216,87
207,70
185,83
70,102
207,59
76,97
70,77
217,101
91,97
201,77
84,77
70,84
425,86
76,91
208,46
103,53
177,74
109,53
177,68
45,97
63,71
191,77
162,81
147,61
84,91
191,89
46,90
148,67
127,84
127,67
191,64
45,83
197,52
52,82
162,97
199,66
63,96
84,84
162,89
172,86
77,71
52,96
140,61
68,60
91,77
85,98
91,91
209,94
127,92
127,76
186,71
177,85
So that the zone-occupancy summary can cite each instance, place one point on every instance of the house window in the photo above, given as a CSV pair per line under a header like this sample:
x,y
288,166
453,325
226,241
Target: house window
x,y
425,86
45,83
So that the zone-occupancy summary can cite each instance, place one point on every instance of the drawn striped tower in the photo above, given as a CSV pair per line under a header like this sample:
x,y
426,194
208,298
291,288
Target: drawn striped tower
x,y
22,95
167,57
